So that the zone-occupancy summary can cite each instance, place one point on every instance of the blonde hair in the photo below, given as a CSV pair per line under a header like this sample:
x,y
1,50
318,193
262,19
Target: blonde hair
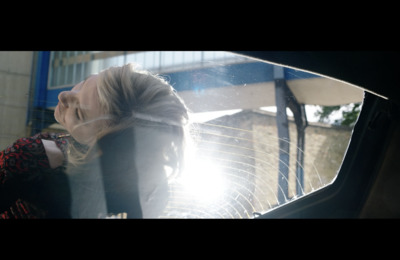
x,y
130,97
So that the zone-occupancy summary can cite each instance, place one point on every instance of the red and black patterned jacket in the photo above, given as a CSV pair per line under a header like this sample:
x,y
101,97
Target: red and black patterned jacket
x,y
29,188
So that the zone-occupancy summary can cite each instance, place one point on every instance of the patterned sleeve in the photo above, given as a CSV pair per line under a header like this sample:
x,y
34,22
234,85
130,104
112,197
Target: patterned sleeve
x,y
22,209
26,157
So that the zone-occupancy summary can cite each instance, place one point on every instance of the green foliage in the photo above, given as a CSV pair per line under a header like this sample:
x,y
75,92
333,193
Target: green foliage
x,y
350,117
325,112
349,114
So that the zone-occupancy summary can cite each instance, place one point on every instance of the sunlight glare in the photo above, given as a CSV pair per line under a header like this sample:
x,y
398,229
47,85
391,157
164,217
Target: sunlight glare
x,y
203,180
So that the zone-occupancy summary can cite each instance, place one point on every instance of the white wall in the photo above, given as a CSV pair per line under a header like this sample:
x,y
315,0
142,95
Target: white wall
x,y
15,77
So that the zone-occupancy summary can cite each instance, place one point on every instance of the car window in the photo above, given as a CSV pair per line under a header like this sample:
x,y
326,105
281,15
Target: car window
x,y
263,135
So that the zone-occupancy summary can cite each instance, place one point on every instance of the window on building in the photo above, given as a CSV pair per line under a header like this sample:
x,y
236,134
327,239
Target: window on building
x,y
70,67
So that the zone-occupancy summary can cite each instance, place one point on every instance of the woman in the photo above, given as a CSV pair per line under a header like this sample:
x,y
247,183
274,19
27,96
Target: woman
x,y
125,138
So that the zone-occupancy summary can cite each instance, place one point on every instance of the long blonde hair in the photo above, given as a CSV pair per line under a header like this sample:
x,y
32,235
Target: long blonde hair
x,y
130,97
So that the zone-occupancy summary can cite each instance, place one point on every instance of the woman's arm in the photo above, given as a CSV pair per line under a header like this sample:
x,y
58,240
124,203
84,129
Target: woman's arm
x,y
28,156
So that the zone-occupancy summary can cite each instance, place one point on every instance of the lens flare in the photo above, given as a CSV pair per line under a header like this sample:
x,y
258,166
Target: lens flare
x,y
203,180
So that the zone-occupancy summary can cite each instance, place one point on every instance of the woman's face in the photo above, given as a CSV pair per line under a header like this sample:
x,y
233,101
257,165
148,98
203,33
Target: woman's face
x,y
78,109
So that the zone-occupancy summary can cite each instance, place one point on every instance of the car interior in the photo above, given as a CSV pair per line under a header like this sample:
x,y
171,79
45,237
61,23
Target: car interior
x,y
276,134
